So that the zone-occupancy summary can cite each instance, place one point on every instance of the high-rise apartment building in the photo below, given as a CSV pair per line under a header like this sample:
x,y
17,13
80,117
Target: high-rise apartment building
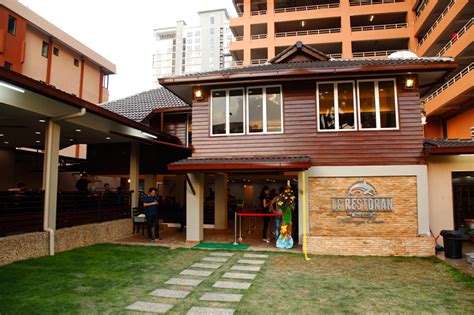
x,y
34,47
185,49
368,29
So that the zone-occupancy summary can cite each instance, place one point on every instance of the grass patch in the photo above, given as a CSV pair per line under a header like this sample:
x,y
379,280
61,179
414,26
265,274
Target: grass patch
x,y
107,278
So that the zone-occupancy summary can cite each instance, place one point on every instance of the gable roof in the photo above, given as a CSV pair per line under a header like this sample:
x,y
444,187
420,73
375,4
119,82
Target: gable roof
x,y
138,106
299,52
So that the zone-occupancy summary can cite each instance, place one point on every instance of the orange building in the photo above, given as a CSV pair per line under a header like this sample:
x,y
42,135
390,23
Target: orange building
x,y
36,48
368,29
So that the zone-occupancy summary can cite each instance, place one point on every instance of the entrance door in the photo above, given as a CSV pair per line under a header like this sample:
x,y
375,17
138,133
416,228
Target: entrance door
x,y
463,197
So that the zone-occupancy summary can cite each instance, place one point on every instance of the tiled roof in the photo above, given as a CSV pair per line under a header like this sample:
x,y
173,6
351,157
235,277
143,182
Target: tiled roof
x,y
138,106
448,143
333,63
263,159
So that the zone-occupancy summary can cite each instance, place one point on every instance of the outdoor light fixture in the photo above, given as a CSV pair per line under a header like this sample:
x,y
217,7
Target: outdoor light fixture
x,y
37,141
149,135
409,83
1,134
108,138
38,133
371,18
198,94
11,87
302,23
42,121
423,118
78,130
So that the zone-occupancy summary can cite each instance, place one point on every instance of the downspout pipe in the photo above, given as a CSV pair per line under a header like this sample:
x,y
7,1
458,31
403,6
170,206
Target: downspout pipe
x,y
49,157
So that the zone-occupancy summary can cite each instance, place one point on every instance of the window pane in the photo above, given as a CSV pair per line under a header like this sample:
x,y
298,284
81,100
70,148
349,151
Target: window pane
x,y
255,110
367,105
218,112
387,104
44,49
11,25
236,111
326,106
346,105
273,109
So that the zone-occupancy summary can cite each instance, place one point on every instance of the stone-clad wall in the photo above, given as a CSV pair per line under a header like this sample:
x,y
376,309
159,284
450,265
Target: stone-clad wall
x,y
25,246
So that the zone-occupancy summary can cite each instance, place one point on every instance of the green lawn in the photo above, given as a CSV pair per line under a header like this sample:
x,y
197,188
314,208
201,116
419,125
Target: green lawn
x,y
107,278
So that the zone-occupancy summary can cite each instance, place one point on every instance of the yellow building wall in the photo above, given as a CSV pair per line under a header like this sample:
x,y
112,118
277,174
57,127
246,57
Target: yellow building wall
x,y
35,65
460,126
64,74
90,91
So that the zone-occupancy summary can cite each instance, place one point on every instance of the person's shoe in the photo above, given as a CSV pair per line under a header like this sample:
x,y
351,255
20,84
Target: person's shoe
x,y
266,240
158,239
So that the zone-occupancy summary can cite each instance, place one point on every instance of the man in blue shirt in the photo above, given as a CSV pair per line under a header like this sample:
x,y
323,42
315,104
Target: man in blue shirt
x,y
150,203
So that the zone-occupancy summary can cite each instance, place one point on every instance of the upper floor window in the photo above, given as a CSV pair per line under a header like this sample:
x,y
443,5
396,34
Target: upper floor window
x,y
378,104
227,112
56,51
11,25
45,50
336,105
8,65
264,110
212,20
105,81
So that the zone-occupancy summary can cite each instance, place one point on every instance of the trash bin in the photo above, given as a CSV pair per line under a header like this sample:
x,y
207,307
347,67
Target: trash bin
x,y
453,243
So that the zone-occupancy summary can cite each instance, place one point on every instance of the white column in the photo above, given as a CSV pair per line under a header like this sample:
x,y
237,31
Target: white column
x,y
50,174
301,207
220,202
195,208
134,171
423,201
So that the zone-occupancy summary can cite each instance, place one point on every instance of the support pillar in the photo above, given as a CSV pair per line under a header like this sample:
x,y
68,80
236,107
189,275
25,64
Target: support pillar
x,y
301,208
134,171
195,208
220,202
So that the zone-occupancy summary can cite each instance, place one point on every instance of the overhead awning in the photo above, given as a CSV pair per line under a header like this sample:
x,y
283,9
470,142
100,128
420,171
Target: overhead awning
x,y
448,146
281,163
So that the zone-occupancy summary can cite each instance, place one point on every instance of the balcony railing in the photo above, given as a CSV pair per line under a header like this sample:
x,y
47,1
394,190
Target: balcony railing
x,y
379,27
259,36
380,53
335,56
308,8
238,38
260,12
418,13
445,11
456,36
370,2
454,79
234,63
240,14
258,61
309,32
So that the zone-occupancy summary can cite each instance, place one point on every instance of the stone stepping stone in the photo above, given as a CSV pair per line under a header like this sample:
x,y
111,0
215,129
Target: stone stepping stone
x,y
255,256
251,261
190,272
207,266
195,310
175,294
221,297
239,275
150,307
232,285
221,254
215,259
246,268
186,282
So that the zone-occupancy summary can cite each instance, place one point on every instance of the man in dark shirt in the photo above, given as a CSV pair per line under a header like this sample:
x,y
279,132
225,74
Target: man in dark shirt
x,y
150,203
81,184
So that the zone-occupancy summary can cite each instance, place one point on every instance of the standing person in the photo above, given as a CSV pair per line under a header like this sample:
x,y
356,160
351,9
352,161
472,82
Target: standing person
x,y
150,203
277,210
82,183
265,200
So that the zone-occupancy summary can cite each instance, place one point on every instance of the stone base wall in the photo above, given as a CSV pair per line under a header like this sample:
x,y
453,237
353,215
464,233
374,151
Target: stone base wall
x,y
31,245
371,246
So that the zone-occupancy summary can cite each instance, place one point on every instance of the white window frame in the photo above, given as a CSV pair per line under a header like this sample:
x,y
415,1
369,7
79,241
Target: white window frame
x,y
377,105
336,105
264,117
227,121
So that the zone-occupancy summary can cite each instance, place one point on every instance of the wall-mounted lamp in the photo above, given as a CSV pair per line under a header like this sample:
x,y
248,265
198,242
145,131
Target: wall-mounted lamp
x,y
198,94
423,118
409,83
302,23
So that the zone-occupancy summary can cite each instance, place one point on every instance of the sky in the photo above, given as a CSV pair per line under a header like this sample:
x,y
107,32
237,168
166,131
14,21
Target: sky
x,y
122,31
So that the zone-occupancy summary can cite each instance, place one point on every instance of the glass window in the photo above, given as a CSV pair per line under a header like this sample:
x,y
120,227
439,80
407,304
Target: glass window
x,y
197,33
255,110
368,113
211,31
218,112
236,111
345,102
273,109
56,51
189,34
327,118
11,25
387,104
212,20
8,65
45,50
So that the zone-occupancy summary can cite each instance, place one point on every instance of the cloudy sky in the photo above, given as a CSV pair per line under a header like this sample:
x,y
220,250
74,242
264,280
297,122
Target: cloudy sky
x,y
122,31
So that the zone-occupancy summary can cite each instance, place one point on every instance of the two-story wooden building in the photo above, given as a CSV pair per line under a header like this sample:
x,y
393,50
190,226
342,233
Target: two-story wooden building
x,y
348,132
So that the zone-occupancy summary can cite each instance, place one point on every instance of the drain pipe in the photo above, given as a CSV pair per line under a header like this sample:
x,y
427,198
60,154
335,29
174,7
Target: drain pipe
x,y
47,175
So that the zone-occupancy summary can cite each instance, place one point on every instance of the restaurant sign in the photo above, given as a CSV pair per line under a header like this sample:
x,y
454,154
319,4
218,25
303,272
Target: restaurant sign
x,y
362,201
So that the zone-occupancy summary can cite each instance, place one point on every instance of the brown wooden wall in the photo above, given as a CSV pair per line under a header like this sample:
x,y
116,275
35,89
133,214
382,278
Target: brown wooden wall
x,y
175,124
300,137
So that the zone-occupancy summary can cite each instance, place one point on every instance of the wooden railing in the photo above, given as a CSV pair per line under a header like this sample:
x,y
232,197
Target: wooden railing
x,y
380,53
379,27
456,36
259,36
371,2
307,8
309,32
450,82
445,11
